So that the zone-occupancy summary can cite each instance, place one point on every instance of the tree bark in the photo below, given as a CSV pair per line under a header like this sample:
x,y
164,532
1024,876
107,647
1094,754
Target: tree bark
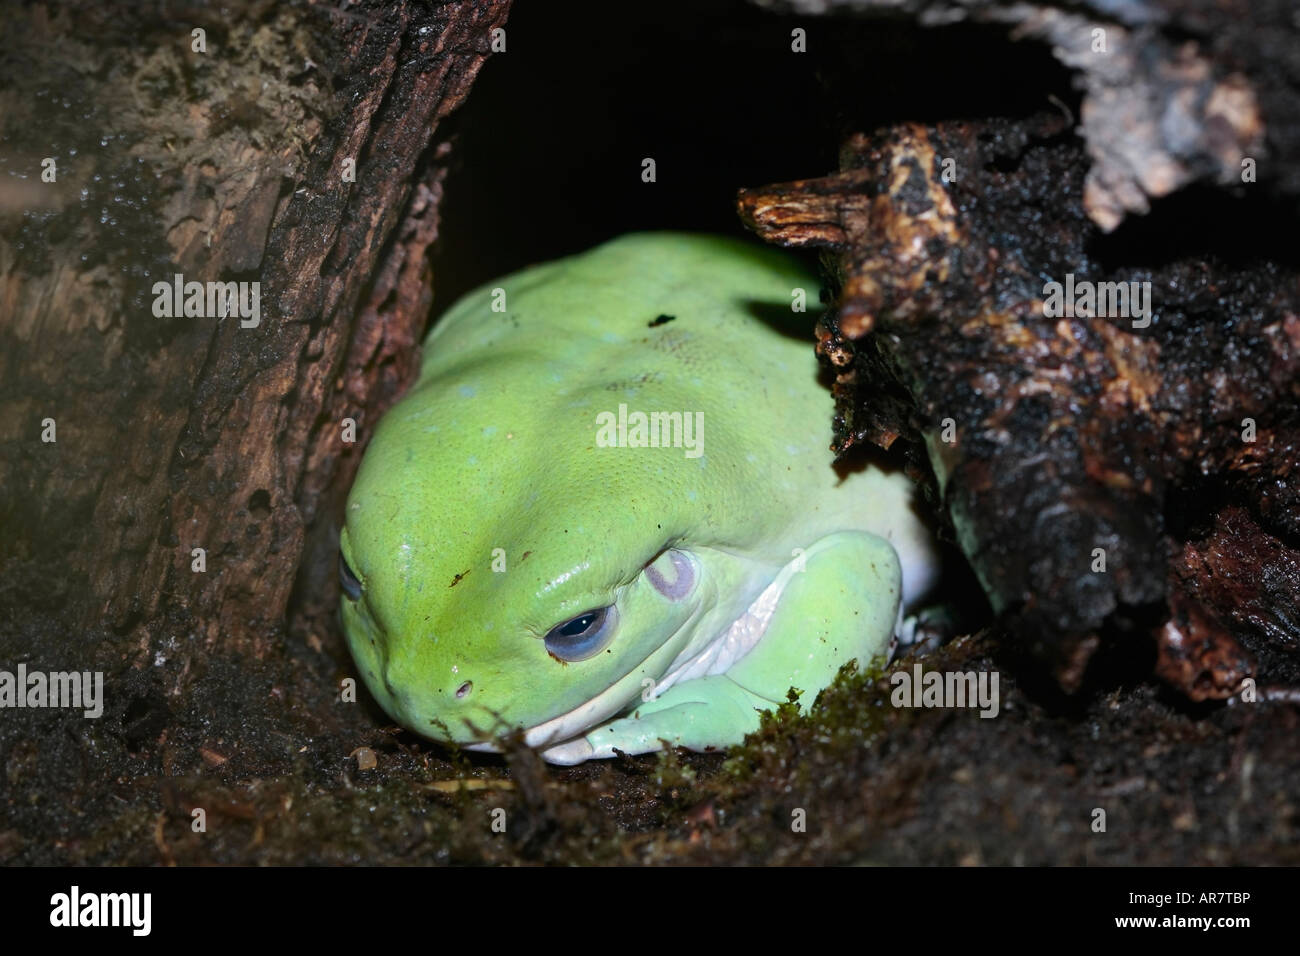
x,y
1084,458
299,147
229,164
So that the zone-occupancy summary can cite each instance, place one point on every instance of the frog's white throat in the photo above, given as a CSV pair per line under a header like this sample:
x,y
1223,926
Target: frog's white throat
x,y
716,656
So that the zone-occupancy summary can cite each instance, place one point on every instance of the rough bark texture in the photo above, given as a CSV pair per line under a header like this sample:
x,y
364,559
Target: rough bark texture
x,y
1061,441
197,432
221,165
1174,91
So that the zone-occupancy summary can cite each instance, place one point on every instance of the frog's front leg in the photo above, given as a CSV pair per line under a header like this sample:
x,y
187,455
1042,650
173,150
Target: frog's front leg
x,y
836,602
700,714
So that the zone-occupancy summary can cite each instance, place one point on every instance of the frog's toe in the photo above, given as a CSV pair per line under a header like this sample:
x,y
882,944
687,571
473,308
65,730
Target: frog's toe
x,y
569,753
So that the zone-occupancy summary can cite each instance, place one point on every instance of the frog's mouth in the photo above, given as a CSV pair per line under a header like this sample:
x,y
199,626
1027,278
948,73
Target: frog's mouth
x,y
561,738
567,728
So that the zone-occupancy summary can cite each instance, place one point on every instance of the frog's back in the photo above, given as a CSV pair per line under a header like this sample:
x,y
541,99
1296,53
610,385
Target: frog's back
x,y
659,322
705,300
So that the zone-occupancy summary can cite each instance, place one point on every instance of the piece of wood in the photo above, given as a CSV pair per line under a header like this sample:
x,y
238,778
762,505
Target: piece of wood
x,y
1073,453
229,163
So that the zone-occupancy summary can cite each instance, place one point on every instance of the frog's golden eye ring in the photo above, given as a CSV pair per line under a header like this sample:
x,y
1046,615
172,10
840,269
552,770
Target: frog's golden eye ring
x,y
348,581
583,636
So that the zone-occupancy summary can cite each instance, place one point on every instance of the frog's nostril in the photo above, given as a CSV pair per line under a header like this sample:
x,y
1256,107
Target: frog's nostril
x,y
464,689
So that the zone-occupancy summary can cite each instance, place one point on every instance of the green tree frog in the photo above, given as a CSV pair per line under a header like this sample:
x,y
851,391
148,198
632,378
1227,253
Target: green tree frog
x,y
607,513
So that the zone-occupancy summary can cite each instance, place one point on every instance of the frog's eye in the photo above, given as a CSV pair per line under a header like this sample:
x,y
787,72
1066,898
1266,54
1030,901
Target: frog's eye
x,y
583,636
348,581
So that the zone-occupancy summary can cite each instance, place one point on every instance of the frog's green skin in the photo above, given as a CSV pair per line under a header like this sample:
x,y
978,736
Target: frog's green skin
x,y
785,570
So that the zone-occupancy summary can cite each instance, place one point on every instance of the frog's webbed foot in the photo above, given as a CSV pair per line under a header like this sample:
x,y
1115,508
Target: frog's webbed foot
x,y
839,602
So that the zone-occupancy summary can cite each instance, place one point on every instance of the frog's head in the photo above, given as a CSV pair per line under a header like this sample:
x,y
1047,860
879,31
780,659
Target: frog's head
x,y
499,571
